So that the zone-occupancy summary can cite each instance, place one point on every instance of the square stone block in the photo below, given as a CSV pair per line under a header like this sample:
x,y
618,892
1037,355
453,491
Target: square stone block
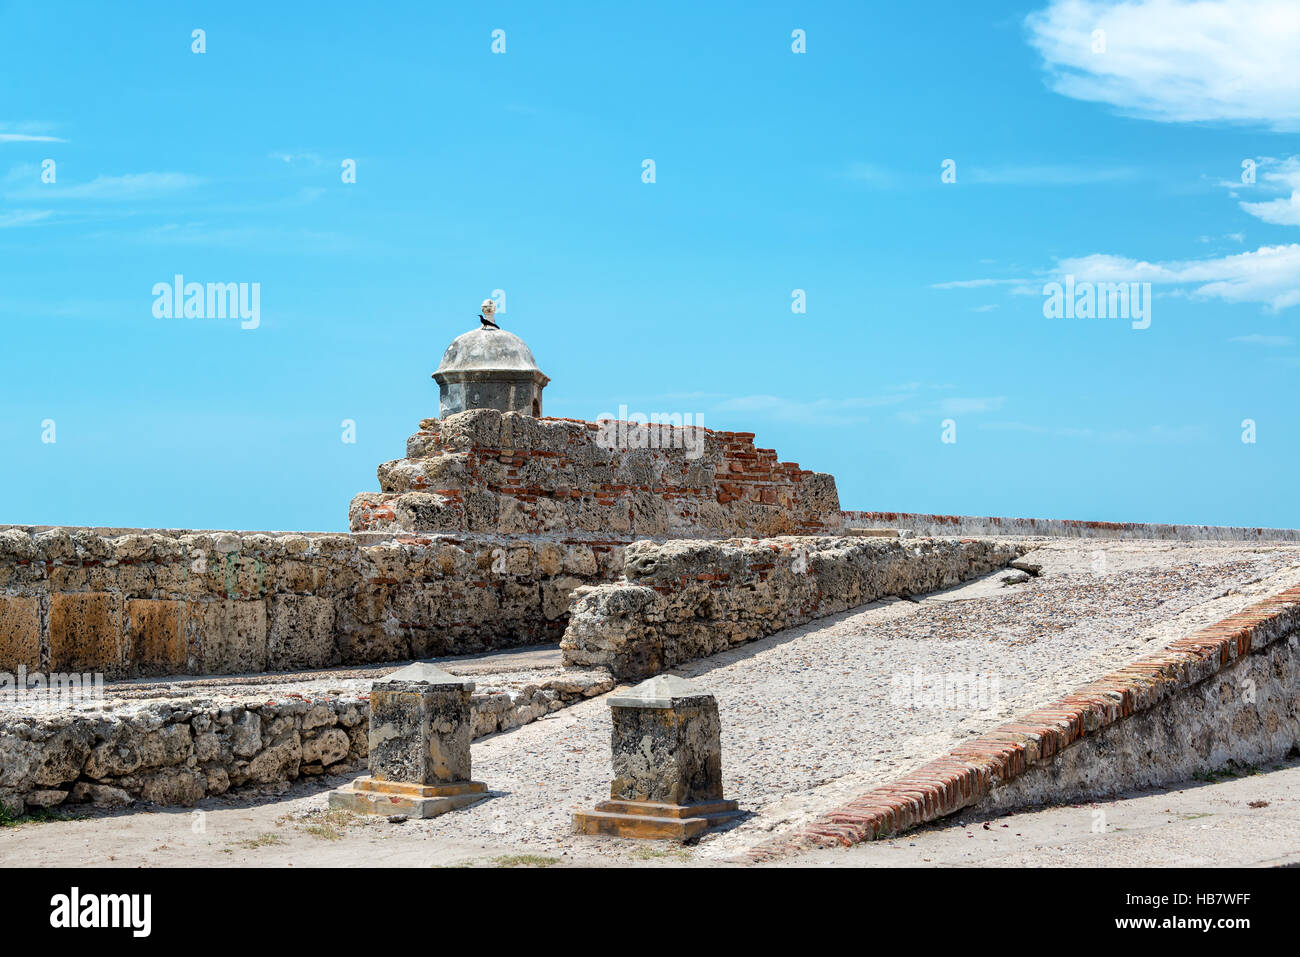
x,y
666,743
20,633
230,635
86,632
420,727
155,636
301,633
667,748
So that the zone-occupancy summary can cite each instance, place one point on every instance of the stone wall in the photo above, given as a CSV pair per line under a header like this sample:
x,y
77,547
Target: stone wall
x,y
1246,715
680,601
133,602
484,471
176,752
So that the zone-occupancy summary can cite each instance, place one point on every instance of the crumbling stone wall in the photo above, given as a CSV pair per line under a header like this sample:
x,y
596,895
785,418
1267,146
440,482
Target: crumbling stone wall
x,y
176,752
135,602
485,471
679,601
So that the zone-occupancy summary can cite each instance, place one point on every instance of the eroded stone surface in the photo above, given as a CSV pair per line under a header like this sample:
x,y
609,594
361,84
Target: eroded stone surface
x,y
20,633
666,744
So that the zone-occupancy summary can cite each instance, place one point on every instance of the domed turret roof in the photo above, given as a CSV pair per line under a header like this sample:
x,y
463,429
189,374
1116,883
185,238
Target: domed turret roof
x,y
487,350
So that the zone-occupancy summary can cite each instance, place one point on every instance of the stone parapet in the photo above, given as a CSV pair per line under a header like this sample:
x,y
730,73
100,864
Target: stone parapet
x,y
131,602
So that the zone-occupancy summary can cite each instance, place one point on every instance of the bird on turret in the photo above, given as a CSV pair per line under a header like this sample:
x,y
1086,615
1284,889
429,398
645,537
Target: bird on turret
x,y
490,308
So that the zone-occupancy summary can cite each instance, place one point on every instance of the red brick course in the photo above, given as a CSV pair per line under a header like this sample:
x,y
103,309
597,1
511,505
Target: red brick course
x,y
969,772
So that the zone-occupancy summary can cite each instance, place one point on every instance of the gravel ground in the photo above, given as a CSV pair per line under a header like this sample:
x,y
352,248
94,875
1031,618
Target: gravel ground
x,y
809,716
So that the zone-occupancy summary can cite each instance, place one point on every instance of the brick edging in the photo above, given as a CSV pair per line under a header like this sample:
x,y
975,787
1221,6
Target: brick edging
x,y
969,772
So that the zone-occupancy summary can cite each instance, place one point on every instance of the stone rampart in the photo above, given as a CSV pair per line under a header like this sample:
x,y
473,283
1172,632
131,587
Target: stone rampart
x,y
679,601
132,602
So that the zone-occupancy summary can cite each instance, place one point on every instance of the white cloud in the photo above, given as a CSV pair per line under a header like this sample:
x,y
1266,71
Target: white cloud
x,y
1160,434
1050,175
850,411
310,159
24,217
1256,339
870,174
1270,274
964,406
130,186
1285,175
1280,212
1177,61
28,138
976,283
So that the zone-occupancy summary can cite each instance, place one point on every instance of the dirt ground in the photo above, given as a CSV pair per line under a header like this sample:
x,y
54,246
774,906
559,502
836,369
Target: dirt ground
x,y
1245,818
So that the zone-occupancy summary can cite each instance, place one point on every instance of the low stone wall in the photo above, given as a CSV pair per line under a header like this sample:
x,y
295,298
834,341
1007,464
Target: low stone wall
x,y
135,602
923,524
485,471
1226,693
680,601
1246,715
178,751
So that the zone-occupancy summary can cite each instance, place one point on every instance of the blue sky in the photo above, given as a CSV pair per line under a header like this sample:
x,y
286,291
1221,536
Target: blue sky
x,y
775,171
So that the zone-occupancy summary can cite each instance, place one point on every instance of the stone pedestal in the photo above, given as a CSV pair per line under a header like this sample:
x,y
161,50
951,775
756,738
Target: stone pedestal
x,y
667,749
420,730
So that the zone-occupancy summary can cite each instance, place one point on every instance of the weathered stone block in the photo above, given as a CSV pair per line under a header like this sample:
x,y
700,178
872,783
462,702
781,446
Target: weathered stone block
x,y
667,749
20,634
86,632
667,743
230,635
301,632
556,595
155,636
420,727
